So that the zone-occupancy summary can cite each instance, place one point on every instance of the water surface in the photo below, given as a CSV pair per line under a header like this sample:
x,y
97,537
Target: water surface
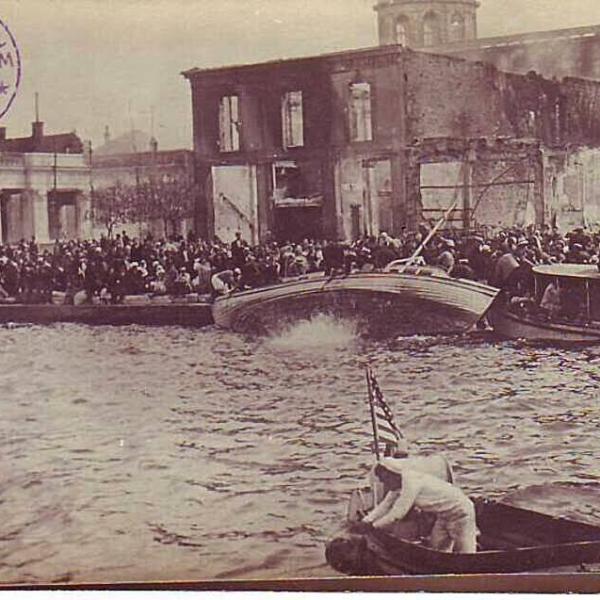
x,y
133,454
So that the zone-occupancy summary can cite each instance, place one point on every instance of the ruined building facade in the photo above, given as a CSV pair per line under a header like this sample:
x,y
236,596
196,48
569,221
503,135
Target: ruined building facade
x,y
381,139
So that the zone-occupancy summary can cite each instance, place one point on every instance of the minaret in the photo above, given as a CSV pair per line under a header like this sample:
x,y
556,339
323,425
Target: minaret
x,y
426,23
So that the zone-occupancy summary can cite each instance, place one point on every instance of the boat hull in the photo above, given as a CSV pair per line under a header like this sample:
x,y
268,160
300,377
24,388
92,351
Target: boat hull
x,y
512,540
387,304
510,326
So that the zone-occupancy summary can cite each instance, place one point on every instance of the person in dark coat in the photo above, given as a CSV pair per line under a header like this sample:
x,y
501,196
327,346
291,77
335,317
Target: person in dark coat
x,y
238,251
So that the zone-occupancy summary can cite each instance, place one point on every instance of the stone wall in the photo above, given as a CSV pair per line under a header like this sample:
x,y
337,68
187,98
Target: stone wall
x,y
449,97
572,182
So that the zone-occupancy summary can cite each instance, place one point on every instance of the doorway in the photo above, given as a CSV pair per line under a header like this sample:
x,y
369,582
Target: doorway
x,y
377,176
294,224
63,215
16,216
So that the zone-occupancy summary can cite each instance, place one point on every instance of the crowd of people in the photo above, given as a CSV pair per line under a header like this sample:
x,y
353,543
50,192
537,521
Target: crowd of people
x,y
107,270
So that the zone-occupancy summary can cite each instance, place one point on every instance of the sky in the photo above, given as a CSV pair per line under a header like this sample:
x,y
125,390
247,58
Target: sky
x,y
117,62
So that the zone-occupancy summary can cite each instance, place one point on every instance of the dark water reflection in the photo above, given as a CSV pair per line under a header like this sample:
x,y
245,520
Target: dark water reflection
x,y
148,454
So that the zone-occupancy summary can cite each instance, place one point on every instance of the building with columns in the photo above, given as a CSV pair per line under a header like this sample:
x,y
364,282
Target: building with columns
x,y
47,183
44,185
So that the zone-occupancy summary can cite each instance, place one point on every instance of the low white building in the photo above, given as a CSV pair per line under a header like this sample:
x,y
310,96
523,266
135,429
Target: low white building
x,y
44,187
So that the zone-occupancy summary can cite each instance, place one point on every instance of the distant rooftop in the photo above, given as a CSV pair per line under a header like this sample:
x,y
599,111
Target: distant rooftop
x,y
60,143
130,159
519,39
127,143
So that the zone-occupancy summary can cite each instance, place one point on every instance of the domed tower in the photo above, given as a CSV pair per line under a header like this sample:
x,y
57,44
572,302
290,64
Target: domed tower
x,y
426,23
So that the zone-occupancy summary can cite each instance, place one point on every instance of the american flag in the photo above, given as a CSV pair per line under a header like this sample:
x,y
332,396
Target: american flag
x,y
385,430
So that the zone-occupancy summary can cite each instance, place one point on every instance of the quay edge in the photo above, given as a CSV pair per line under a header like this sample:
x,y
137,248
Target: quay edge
x,y
190,315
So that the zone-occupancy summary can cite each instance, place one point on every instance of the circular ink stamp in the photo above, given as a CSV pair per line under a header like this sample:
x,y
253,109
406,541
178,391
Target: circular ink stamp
x,y
10,68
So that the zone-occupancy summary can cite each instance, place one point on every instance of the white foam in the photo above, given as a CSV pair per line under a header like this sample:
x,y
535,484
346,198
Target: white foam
x,y
321,333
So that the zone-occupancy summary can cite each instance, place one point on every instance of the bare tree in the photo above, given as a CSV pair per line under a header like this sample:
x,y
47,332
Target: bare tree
x,y
113,206
169,199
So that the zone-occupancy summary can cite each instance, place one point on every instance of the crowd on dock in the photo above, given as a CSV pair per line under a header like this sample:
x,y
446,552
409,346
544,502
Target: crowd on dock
x,y
107,270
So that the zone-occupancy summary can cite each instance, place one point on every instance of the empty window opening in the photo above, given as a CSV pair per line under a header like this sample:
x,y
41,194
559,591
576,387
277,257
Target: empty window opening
x,y
431,29
361,126
293,119
229,124
401,32
457,28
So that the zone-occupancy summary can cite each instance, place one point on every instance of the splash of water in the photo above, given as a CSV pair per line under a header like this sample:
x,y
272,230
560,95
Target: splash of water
x,y
320,333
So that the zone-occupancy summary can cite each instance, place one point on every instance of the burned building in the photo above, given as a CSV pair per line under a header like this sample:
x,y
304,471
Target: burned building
x,y
376,140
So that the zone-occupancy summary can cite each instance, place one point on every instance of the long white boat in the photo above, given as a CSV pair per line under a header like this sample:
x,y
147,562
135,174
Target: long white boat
x,y
533,326
416,301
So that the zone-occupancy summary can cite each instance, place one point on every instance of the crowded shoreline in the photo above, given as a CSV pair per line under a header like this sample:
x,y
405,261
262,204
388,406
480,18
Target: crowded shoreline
x,y
107,271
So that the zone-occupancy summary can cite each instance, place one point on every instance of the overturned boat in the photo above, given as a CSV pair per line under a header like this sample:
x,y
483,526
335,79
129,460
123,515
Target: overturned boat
x,y
511,540
412,301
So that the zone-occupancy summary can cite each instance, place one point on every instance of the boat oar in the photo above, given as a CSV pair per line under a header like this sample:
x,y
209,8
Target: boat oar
x,y
430,235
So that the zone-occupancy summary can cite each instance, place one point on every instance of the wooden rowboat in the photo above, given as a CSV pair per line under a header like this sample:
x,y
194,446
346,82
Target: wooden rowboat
x,y
417,301
511,540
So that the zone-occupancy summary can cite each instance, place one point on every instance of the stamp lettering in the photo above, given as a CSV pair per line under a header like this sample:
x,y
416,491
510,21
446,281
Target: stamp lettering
x,y
6,59
10,69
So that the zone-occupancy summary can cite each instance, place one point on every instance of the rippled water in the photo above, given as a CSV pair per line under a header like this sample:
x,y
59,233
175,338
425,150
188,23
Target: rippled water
x,y
157,454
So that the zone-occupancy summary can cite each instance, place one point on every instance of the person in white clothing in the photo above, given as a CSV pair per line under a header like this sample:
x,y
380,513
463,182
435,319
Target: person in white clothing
x,y
455,529
435,465
224,283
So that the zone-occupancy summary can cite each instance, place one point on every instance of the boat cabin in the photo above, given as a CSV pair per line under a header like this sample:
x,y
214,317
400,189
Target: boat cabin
x,y
574,288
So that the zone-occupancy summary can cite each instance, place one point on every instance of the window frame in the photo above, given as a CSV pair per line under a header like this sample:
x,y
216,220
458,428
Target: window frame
x,y
401,24
431,30
230,125
292,119
458,28
361,125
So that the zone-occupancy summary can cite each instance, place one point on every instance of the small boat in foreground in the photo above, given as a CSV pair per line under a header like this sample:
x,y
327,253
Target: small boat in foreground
x,y
578,285
413,301
511,540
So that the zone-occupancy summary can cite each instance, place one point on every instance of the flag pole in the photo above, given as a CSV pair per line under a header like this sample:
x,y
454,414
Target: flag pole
x,y
372,407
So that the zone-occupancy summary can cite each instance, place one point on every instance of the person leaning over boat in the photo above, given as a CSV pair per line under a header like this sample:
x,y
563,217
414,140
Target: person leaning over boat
x,y
455,528
446,260
225,282
436,465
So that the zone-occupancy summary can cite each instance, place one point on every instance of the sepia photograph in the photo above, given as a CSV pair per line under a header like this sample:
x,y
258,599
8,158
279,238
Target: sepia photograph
x,y
300,295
